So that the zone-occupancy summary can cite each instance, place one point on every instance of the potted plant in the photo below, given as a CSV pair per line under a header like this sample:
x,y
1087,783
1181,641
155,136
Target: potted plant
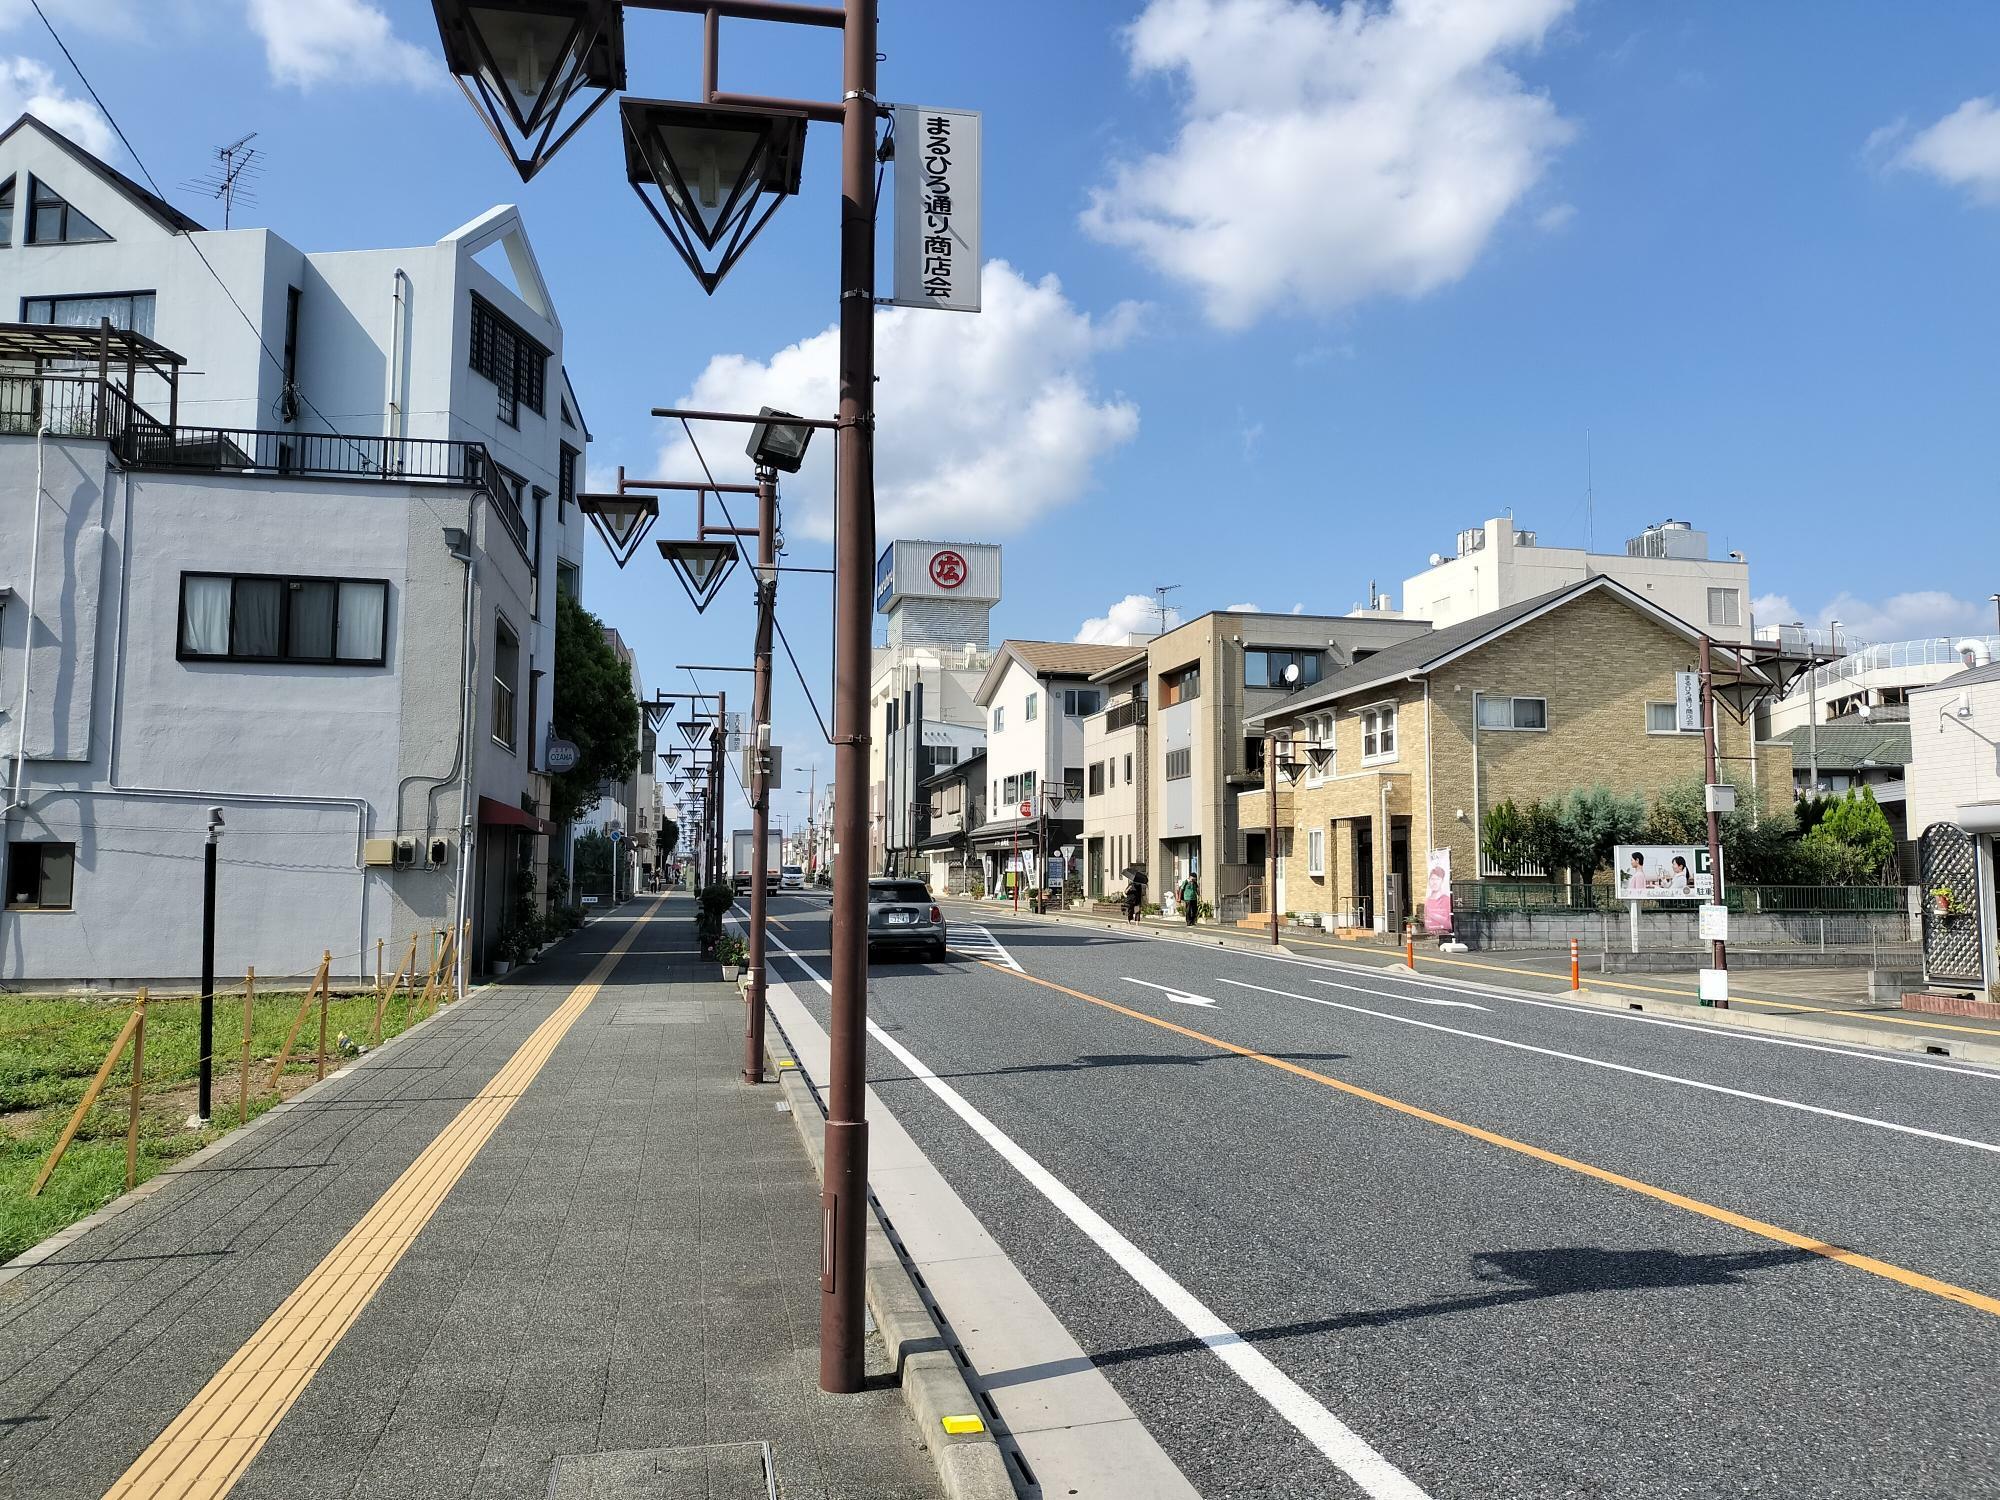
x,y
1945,902
504,949
729,949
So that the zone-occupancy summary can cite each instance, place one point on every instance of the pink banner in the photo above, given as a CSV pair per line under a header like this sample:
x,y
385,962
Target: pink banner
x,y
1437,893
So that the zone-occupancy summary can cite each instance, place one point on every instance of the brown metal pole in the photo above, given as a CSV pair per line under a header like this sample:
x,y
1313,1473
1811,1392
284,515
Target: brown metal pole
x,y
844,1186
1271,830
760,790
1708,756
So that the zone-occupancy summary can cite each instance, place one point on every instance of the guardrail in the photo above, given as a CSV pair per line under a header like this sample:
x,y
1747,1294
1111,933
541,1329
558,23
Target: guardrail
x,y
1802,900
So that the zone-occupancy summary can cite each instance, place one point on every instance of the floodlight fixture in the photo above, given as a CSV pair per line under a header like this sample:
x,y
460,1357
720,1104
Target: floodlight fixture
x,y
534,69
622,520
711,175
776,443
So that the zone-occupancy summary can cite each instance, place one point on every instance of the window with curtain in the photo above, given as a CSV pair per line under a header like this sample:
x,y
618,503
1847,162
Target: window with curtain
x,y
132,311
280,618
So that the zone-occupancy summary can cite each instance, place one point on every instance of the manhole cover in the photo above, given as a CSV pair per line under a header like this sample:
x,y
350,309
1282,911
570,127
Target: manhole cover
x,y
720,1471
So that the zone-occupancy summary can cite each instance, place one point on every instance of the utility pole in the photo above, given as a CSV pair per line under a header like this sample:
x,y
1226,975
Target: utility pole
x,y
1271,828
1720,949
207,1039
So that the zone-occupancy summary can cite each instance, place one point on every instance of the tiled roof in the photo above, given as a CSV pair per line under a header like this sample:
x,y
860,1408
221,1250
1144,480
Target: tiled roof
x,y
1845,745
1067,658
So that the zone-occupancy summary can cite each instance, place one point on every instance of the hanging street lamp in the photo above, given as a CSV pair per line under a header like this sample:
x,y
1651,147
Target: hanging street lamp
x,y
778,441
701,567
534,69
711,175
622,520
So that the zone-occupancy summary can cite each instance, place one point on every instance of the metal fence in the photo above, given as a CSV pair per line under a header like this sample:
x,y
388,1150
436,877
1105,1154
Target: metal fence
x,y
1796,900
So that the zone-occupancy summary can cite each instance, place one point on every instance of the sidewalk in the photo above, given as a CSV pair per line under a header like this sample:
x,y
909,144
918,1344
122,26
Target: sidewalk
x,y
602,1278
1831,1004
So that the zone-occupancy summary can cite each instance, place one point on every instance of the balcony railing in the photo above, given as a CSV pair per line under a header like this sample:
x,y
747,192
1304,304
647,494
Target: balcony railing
x,y
1123,715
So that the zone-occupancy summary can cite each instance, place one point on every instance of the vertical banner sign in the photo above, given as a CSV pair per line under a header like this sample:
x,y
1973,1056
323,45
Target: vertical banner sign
x,y
937,208
1437,892
1687,702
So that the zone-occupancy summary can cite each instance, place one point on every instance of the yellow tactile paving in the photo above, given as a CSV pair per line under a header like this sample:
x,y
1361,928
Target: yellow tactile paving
x,y
205,1449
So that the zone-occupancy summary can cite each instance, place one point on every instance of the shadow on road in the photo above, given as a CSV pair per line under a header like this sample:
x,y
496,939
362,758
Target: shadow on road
x,y
1113,1060
1523,1276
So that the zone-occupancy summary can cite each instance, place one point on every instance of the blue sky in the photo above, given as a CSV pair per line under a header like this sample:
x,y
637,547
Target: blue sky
x,y
1290,295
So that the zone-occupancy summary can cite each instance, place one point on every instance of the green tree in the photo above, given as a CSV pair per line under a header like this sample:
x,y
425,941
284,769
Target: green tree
x,y
1852,840
1544,838
1503,837
593,708
670,837
1758,847
1595,822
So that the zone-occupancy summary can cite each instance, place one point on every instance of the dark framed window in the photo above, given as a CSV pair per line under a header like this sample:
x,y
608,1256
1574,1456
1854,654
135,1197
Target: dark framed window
x,y
288,398
506,679
53,220
1094,779
569,580
6,213
565,481
329,622
1180,765
1180,687
132,311
515,363
1081,703
1267,668
40,877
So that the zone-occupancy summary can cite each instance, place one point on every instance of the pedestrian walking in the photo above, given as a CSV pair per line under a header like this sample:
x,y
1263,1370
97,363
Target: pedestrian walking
x,y
1135,895
1190,895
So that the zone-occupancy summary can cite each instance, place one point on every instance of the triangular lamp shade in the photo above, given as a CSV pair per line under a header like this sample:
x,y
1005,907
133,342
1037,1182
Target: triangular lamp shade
x,y
701,567
534,69
622,520
694,732
657,715
673,760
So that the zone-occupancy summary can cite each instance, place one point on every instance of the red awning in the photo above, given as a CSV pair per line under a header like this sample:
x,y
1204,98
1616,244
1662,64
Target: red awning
x,y
492,813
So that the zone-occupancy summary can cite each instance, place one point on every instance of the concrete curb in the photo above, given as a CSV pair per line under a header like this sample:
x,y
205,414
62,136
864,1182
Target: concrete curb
x,y
970,1465
1858,1034
34,1255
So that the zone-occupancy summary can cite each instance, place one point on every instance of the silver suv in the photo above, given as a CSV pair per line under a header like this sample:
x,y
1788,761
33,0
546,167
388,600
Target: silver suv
x,y
901,914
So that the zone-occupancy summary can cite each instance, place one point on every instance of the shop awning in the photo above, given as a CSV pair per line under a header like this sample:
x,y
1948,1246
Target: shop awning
x,y
499,814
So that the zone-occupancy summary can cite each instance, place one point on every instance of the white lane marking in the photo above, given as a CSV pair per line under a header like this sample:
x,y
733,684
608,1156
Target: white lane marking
x,y
1598,1062
1495,992
1345,1449
1427,1000
979,942
1179,997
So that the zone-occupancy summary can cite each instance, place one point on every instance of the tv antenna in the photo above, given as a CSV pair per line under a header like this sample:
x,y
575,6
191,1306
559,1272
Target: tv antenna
x,y
236,164
1162,590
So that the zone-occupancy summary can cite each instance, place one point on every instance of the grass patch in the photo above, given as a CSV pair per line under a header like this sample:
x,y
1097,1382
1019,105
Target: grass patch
x,y
51,1047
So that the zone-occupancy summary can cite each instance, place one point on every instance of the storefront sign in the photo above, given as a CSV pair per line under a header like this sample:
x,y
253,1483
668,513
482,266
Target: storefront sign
x,y
937,208
1663,872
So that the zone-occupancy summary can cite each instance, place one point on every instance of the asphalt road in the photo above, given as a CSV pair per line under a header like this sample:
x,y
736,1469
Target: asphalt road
x,y
1335,1232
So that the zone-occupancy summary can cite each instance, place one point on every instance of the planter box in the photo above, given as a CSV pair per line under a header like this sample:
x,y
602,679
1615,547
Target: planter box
x,y
729,973
1952,1005
502,965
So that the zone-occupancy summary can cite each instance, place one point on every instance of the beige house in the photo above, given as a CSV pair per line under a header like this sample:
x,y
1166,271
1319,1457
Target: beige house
x,y
1405,752
1206,679
1115,779
1954,803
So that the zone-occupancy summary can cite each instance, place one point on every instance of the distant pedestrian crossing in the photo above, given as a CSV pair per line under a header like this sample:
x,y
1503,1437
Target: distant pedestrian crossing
x,y
977,942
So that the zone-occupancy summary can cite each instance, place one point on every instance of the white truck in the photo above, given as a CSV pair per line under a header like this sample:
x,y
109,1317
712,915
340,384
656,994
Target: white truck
x,y
743,848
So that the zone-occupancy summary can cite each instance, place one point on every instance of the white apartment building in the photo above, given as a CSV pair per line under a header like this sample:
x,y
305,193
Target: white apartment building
x,y
1874,676
297,561
1036,696
924,716
1496,565
1954,789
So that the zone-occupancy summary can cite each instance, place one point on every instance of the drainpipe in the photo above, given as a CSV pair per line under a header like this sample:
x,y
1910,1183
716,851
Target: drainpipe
x,y
1478,813
28,626
467,839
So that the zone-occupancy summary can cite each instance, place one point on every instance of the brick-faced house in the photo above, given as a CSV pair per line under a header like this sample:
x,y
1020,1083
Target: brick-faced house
x,y
1409,748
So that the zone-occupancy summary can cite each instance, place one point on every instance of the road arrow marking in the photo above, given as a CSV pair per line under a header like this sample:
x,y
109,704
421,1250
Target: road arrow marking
x,y
1179,997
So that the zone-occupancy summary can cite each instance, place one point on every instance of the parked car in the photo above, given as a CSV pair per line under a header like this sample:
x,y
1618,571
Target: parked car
x,y
792,878
901,914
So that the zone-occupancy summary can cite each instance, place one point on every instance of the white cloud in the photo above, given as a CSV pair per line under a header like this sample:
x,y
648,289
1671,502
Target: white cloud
x,y
1135,614
308,42
1241,609
29,85
1555,217
984,423
1962,150
1918,615
1327,156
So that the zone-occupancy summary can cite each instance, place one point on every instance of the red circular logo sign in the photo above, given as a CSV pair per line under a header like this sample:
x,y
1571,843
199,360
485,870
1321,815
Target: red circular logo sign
x,y
1027,809
948,569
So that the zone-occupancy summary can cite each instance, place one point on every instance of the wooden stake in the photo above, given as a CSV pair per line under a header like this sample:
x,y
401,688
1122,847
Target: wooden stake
x,y
89,1098
138,1090
325,984
243,1073
378,966
382,1002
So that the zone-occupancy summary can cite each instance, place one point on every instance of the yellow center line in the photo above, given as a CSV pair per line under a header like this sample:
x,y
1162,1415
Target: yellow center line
x,y
1782,1236
205,1449
1653,989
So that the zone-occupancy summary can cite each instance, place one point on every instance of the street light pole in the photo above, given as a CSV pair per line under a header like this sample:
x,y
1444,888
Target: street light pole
x,y
760,790
844,1186
1720,949
207,1039
1271,829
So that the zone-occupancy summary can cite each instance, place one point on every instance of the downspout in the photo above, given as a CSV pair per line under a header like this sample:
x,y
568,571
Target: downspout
x,y
28,626
1478,816
467,839
1430,789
